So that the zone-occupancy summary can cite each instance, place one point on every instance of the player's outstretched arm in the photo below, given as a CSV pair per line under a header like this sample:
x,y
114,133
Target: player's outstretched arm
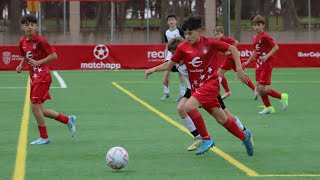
x,y
162,67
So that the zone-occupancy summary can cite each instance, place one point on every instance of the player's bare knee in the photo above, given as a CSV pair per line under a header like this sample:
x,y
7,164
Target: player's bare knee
x,y
262,90
221,119
181,109
35,107
188,108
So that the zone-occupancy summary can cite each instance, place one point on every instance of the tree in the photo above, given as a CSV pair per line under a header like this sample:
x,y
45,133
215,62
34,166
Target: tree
x,y
2,6
121,14
157,8
264,10
15,10
134,5
164,6
237,18
289,14
103,15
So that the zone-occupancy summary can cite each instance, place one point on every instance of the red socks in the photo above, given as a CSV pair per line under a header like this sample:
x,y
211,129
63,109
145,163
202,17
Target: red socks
x,y
224,83
43,131
274,93
62,118
232,127
250,84
265,100
199,123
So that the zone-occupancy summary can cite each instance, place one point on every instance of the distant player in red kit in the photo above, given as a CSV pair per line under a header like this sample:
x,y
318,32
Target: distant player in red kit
x,y
264,49
199,54
36,51
229,64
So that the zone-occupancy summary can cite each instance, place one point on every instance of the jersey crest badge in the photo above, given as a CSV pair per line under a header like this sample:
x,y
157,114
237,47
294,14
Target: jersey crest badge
x,y
205,50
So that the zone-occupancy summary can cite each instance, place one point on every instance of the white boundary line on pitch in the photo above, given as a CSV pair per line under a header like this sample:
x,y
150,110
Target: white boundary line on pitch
x,y
61,81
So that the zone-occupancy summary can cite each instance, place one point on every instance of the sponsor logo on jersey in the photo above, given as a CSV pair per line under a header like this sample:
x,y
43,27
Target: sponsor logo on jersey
x,y
29,55
196,62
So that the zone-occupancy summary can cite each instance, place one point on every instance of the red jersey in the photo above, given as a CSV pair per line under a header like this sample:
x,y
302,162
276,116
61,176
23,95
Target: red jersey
x,y
37,48
263,43
228,40
200,59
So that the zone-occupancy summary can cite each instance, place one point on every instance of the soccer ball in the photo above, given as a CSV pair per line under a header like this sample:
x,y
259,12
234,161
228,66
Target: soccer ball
x,y
117,158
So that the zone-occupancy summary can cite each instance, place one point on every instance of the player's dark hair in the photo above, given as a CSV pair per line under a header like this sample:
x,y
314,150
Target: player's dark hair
x,y
173,43
29,18
258,19
192,22
171,16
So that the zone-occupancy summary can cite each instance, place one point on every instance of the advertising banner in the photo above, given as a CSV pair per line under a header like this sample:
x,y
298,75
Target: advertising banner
x,y
142,56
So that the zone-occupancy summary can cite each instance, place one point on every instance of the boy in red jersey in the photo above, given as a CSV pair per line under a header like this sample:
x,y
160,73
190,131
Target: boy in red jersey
x,y
264,49
200,55
172,46
38,53
229,64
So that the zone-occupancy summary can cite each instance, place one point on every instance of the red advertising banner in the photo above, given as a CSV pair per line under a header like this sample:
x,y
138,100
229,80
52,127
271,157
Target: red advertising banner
x,y
289,55
129,56
92,57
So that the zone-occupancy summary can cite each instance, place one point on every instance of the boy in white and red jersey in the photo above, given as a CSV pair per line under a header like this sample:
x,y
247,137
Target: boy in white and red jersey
x,y
264,49
229,64
36,51
200,55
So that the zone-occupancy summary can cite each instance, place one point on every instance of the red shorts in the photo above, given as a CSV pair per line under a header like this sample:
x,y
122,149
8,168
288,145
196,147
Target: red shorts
x,y
207,95
39,93
263,76
229,64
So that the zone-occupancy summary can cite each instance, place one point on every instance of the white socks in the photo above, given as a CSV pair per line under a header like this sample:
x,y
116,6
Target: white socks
x,y
239,124
189,124
166,89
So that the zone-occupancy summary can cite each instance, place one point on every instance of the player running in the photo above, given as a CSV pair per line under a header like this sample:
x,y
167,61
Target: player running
x,y
264,49
229,64
200,55
172,46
